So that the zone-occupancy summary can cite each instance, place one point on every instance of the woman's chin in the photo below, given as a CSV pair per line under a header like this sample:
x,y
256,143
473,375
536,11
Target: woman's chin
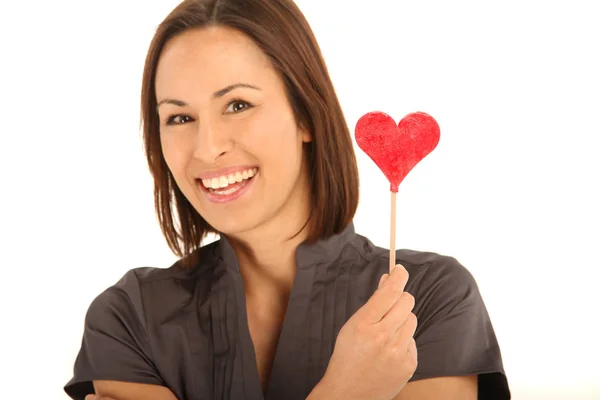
x,y
234,226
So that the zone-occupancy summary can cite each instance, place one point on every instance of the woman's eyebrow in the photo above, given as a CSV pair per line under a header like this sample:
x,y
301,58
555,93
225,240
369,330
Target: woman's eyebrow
x,y
217,94
224,91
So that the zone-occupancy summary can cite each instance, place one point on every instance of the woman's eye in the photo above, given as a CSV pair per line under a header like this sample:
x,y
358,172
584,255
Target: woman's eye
x,y
178,119
237,106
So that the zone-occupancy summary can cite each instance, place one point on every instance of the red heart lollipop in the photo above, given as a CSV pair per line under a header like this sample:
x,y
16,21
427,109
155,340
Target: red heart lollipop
x,y
397,149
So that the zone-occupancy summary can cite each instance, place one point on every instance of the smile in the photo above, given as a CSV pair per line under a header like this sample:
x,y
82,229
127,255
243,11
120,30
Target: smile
x,y
228,181
223,189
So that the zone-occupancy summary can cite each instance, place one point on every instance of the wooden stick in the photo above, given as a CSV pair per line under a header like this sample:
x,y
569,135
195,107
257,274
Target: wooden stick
x,y
393,233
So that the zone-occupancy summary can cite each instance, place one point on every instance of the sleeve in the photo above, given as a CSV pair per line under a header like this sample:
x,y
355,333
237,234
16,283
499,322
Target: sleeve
x,y
115,345
455,336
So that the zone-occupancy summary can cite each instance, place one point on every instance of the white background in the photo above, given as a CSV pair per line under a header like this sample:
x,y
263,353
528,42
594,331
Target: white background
x,y
511,191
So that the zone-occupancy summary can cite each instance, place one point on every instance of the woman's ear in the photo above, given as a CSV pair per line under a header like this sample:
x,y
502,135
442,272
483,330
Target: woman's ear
x,y
305,134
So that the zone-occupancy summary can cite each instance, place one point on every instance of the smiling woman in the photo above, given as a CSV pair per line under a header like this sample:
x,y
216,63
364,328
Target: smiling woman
x,y
236,119
245,138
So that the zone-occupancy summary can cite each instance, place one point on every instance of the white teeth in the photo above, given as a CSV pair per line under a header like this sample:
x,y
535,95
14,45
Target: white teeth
x,y
222,182
226,191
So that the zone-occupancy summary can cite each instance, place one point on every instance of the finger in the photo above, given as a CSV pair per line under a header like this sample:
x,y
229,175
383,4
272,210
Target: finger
x,y
382,280
398,314
385,297
405,334
412,351
412,347
92,397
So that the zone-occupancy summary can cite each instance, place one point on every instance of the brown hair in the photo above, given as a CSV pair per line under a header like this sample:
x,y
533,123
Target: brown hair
x,y
279,28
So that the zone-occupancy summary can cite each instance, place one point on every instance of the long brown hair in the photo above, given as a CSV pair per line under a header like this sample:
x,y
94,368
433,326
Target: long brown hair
x,y
279,28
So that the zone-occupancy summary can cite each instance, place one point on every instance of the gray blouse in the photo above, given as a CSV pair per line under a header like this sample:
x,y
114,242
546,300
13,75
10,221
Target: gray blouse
x,y
188,329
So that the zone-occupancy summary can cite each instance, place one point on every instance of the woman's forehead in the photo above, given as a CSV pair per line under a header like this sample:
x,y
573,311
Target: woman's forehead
x,y
212,57
216,47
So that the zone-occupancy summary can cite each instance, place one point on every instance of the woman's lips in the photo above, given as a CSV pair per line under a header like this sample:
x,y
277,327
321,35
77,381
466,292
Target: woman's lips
x,y
225,197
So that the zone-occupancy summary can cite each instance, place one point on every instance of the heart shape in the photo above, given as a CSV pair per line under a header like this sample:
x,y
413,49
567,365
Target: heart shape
x,y
397,149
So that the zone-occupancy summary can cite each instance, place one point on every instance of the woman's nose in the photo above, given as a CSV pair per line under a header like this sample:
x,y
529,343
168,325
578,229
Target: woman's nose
x,y
211,142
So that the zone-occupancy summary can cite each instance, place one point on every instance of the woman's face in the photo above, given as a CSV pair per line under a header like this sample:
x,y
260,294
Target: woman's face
x,y
228,132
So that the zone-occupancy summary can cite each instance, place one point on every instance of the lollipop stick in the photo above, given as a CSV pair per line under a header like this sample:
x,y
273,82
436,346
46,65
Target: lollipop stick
x,y
393,233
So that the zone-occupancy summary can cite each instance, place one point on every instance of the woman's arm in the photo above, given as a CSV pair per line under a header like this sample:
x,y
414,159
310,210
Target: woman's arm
x,y
131,391
114,390
443,388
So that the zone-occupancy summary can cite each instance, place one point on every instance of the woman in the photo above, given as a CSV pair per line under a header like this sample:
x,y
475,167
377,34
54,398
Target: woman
x,y
245,137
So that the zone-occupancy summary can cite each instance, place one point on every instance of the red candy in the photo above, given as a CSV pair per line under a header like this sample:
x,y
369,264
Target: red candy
x,y
397,149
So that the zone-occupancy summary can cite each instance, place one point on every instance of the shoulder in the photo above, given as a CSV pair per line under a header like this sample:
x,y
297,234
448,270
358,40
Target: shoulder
x,y
152,288
440,284
435,280
424,267
428,268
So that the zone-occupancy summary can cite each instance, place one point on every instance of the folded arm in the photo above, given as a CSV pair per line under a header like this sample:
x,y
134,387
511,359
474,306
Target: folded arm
x,y
442,388
115,390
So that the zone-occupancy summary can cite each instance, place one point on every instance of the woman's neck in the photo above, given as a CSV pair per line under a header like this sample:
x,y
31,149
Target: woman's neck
x,y
268,264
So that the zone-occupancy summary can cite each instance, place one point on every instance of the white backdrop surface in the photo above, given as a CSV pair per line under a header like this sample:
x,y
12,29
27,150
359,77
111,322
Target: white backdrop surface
x,y
512,191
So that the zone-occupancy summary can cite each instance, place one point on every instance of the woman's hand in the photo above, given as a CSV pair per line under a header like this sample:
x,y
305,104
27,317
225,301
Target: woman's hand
x,y
375,353
96,397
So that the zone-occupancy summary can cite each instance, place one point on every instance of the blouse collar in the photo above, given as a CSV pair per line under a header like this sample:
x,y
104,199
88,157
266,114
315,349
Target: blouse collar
x,y
324,251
